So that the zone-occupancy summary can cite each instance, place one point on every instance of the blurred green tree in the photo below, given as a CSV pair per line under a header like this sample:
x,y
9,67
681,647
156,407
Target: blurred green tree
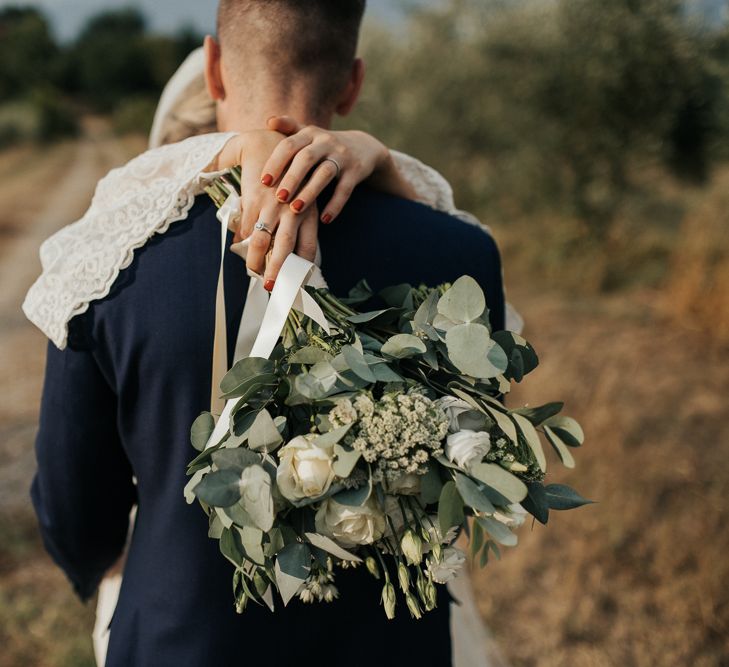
x,y
28,53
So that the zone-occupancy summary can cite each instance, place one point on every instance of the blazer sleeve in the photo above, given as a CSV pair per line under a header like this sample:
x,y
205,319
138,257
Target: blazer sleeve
x,y
83,490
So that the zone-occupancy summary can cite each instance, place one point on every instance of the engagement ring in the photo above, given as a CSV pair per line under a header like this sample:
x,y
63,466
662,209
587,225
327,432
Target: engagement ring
x,y
261,226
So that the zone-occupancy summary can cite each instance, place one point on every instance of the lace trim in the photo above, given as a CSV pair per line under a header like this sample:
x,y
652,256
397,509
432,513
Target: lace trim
x,y
82,261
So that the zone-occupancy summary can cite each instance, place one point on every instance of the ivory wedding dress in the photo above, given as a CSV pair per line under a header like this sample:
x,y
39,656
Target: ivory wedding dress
x,y
131,204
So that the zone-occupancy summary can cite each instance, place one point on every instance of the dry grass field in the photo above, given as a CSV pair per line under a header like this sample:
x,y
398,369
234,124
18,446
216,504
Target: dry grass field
x,y
635,580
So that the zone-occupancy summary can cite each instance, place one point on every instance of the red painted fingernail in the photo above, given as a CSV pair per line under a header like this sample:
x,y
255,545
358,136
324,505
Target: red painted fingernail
x,y
268,285
283,194
267,180
298,205
326,218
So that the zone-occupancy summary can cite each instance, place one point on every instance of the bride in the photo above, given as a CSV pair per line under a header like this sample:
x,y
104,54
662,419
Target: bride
x,y
187,109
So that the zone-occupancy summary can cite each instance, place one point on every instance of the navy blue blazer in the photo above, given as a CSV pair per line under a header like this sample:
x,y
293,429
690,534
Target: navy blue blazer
x,y
119,401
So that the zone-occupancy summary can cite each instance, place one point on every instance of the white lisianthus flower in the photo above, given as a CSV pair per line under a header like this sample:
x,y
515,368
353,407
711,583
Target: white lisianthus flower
x,y
405,485
513,518
448,566
453,407
306,470
350,526
467,447
432,526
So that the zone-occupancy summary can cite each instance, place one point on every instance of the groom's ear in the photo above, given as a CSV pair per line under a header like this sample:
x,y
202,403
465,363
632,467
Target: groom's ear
x,y
213,70
353,88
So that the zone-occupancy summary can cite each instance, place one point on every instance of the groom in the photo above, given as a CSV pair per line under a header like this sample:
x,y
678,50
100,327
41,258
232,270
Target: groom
x,y
118,401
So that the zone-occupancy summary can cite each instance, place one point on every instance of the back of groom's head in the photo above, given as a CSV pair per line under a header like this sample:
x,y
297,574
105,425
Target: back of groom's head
x,y
314,40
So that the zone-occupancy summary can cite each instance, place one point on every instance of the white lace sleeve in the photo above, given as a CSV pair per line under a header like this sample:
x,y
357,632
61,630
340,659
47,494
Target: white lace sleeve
x,y
435,191
131,204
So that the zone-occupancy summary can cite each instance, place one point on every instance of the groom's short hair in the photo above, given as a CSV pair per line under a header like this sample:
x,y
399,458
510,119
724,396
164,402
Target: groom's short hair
x,y
314,38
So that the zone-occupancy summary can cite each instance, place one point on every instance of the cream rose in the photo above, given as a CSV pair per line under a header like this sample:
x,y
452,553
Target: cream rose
x,y
453,407
467,447
350,526
306,470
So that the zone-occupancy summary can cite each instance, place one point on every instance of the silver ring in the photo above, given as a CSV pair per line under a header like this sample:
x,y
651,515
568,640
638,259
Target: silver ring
x,y
335,163
261,226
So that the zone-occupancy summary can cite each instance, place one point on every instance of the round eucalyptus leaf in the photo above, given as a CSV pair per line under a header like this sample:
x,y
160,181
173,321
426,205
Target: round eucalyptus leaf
x,y
464,301
473,352
402,346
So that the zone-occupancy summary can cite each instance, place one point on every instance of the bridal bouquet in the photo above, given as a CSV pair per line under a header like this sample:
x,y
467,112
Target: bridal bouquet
x,y
373,444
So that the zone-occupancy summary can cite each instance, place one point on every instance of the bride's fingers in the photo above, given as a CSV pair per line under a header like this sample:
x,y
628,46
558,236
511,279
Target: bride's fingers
x,y
258,247
306,159
284,124
283,246
341,196
325,173
308,234
282,155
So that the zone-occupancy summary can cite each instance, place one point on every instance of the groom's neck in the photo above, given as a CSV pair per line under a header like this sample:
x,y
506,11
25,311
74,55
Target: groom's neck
x,y
249,110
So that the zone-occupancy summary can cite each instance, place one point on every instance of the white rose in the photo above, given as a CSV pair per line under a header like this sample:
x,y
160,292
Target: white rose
x,y
452,407
305,470
405,485
513,518
448,566
350,526
467,447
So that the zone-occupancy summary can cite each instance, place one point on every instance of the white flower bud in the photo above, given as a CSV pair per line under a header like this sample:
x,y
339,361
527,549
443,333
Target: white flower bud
x,y
403,577
467,447
412,547
371,564
389,600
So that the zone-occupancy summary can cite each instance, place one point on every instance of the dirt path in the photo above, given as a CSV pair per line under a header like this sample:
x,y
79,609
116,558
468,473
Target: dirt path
x,y
48,190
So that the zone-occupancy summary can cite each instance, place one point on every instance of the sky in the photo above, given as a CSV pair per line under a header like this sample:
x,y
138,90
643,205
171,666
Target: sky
x,y
167,15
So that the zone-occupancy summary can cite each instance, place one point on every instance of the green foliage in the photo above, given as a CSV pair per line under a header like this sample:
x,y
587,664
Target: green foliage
x,y
549,107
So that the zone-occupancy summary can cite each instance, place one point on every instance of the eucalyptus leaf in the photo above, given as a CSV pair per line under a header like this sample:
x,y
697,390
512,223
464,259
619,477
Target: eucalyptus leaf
x,y
498,531
231,547
477,537
398,296
264,434
293,564
345,460
540,414
562,450
428,310
536,502
430,485
463,301
503,482
201,430
257,496
356,361
383,373
251,538
472,495
193,482
567,429
379,316
532,438
248,371
331,547
220,488
354,497
360,293
235,459
332,437
473,352
310,355
562,497
450,508
403,346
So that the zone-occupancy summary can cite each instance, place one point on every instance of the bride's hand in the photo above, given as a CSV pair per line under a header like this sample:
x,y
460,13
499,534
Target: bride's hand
x,y
293,232
349,156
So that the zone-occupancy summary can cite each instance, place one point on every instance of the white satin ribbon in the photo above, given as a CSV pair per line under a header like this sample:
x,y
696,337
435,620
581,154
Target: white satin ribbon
x,y
263,317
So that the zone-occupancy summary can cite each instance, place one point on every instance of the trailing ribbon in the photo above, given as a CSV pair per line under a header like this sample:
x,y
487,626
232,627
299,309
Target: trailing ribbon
x,y
263,317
